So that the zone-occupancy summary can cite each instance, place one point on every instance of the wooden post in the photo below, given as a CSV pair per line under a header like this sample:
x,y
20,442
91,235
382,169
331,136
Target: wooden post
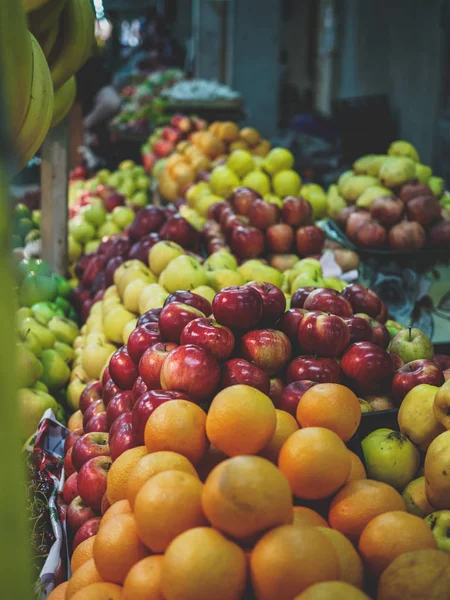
x,y
54,196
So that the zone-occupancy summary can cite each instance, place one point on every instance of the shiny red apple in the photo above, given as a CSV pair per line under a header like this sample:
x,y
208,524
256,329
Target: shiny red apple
x,y
300,295
360,329
68,464
87,530
210,335
263,214
416,372
280,238
142,338
120,403
73,437
145,406
70,489
362,299
288,323
78,513
88,446
239,371
273,301
151,316
380,334
94,409
238,307
91,393
92,479
173,319
309,240
124,439
98,422
151,363
296,211
110,389
268,349
312,368
292,394
367,368
323,334
189,298
329,301
247,241
123,419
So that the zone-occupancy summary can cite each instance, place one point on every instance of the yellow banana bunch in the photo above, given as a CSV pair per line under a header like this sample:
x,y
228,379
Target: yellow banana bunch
x,y
64,98
40,110
47,39
75,41
44,17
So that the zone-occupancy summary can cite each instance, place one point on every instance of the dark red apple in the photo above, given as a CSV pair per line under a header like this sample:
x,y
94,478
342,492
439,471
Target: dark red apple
x,y
173,319
288,323
151,363
370,234
292,394
110,389
122,419
73,437
423,210
309,240
380,334
311,368
142,338
70,489
276,389
111,201
92,479
140,386
145,406
263,214
87,530
95,267
407,235
95,408
238,307
439,235
367,368
88,446
442,361
355,218
362,299
342,218
300,295
387,210
242,199
412,190
123,369
382,316
98,422
78,513
329,301
280,238
268,349
105,377
123,440
239,371
91,393
191,299
398,361
296,211
273,301
120,403
210,335
323,334
68,464
180,231
247,241
360,329
151,316
139,250
415,373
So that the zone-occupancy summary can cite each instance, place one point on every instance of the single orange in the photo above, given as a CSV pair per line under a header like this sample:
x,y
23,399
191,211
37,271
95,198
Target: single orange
x,y
84,576
59,592
122,507
117,548
306,516
241,420
143,581
228,131
154,463
391,534
360,501
166,505
246,495
315,462
332,590
286,425
286,561
119,473
357,470
351,567
100,591
178,426
332,406
201,564
82,553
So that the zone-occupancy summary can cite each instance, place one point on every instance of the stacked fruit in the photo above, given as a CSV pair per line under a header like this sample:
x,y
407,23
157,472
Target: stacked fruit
x,y
390,201
46,330
26,225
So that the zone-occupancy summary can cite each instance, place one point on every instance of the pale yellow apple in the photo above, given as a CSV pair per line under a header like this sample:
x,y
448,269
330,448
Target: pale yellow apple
x,y
131,294
134,273
205,291
94,323
161,254
285,282
222,259
416,417
74,391
83,330
156,300
196,191
261,272
95,337
148,293
115,321
94,357
77,353
79,372
222,278
96,309
128,329
111,292
334,283
184,273
204,202
78,342
128,264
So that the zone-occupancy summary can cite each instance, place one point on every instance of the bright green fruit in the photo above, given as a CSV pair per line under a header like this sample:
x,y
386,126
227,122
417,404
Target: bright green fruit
x,y
306,280
65,351
63,303
23,313
81,230
44,335
39,385
64,288
437,186
32,405
103,175
43,312
334,283
37,288
91,246
278,159
28,367
107,229
184,273
393,327
403,149
56,373
123,216
21,211
94,213
139,199
31,341
64,329
36,218
335,201
142,182
74,248
423,173
32,265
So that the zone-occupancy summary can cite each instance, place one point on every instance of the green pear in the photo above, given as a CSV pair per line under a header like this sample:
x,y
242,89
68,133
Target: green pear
x,y
345,175
65,351
370,164
23,313
31,341
56,373
437,186
222,278
184,273
403,149
45,336
335,201
369,195
32,265
37,288
396,171
352,187
40,385
43,312
423,173
63,304
64,329
222,259
60,413
334,283
261,272
32,405
28,368
306,280
64,289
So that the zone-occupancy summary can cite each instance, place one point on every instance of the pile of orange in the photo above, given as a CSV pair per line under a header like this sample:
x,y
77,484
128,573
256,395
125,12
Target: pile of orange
x,y
205,510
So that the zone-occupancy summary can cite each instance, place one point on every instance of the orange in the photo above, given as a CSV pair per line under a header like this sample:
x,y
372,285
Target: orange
x,y
315,462
100,591
228,131
212,458
351,567
250,135
75,421
166,505
84,576
332,406
416,575
150,465
122,507
359,502
306,516
82,553
119,473
179,426
241,420
391,534
59,593
357,470
117,548
332,590
143,581
246,495
286,561
201,564
286,424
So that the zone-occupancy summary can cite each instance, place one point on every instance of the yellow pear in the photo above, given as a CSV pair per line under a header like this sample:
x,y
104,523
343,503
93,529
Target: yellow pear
x,y
161,254
147,294
115,321
416,418
132,293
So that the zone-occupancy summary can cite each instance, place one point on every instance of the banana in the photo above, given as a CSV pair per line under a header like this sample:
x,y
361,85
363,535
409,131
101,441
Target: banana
x,y
64,98
40,110
31,5
75,41
43,18
47,39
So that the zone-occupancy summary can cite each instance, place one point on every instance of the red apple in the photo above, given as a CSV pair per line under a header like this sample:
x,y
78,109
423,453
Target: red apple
x,y
78,513
191,369
380,334
268,349
311,368
145,406
247,241
87,530
230,224
94,409
73,437
300,295
439,235
88,446
111,201
120,403
151,316
242,199
106,376
180,231
276,389
92,479
142,338
123,419
151,363
323,334
140,386
367,367
238,307
415,373
398,361
173,319
123,369
382,316
329,301
407,235
309,240
224,213
296,211
70,489
91,393
354,220
139,250
446,374
360,329
370,234
239,371
98,422
191,299
292,394
288,323
110,389
362,299
210,335
442,361
68,464
411,190
342,218
387,210
423,209
124,439
280,238
95,267
263,214
273,301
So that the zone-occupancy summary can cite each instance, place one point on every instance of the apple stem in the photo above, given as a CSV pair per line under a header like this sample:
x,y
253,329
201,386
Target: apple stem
x,y
409,328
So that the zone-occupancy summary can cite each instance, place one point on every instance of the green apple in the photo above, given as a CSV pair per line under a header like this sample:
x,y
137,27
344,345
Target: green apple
x,y
437,186
261,272
37,288
32,405
24,226
56,373
28,368
32,236
43,312
94,357
40,385
393,327
36,218
222,259
94,212
65,351
222,278
161,254
44,335
123,216
60,413
32,265
127,188
126,165
412,344
439,523
139,199
63,304
64,329
334,283
247,268
103,175
116,179
138,170
306,280
21,211
205,291
31,341
152,296
21,314
107,229
184,273
142,182
74,248
115,321
81,230
91,246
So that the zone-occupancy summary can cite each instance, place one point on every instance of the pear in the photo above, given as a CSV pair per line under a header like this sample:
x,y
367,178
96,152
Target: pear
x,y
65,351
115,321
55,371
183,273
28,367
64,329
44,335
370,164
257,271
436,185
32,405
404,149
335,201
352,187
345,175
31,341
222,278
396,171
369,195
423,173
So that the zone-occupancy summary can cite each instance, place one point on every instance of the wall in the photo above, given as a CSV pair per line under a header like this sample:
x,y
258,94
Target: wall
x,y
295,40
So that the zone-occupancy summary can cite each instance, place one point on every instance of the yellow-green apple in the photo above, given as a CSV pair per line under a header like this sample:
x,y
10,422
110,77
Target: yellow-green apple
x,y
222,259
122,369
239,371
92,479
296,211
124,439
323,334
78,513
210,335
312,368
238,307
74,391
88,446
94,357
148,403
32,405
292,394
334,283
46,337
205,291
283,262
367,368
191,369
95,408
393,327
174,317
70,489
416,417
142,338
28,368
143,273
161,254
222,278
150,366
128,330
132,293
305,280
65,351
257,271
412,344
362,299
439,523
115,321
152,296
328,301
55,373
268,349
184,273
128,265
119,403
64,329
